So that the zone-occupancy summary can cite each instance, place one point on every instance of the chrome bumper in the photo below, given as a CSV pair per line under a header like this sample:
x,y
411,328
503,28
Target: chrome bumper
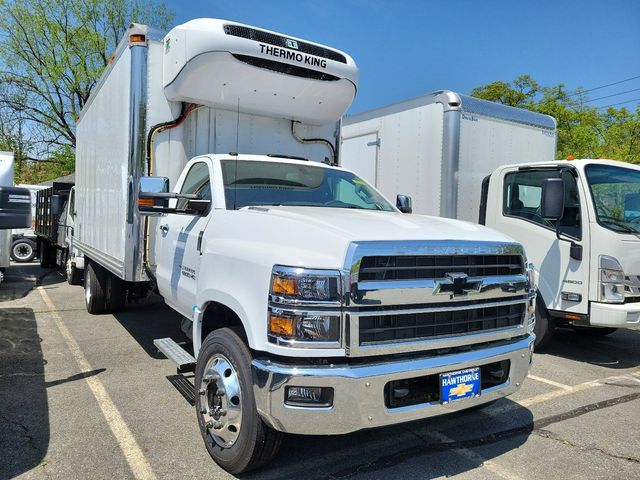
x,y
358,400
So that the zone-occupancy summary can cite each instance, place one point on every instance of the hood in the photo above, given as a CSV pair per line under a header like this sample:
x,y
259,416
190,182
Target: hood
x,y
372,225
318,237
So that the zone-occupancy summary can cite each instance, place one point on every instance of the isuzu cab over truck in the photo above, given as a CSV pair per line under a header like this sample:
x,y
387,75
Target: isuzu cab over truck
x,y
314,305
440,148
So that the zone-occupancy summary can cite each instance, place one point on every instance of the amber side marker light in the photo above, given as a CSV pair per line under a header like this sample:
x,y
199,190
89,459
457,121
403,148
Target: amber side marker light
x,y
572,316
146,202
284,286
137,38
281,326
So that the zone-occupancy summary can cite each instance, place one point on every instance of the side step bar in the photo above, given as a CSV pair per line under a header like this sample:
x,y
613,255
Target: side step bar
x,y
173,351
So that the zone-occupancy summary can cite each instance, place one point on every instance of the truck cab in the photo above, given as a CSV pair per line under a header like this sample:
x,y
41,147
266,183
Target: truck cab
x,y
587,260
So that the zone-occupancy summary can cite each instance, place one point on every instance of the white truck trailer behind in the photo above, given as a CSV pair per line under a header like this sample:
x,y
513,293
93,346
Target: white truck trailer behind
x,y
314,306
480,161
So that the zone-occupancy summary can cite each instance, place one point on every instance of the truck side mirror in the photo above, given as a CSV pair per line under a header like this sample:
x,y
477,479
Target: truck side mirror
x,y
552,205
15,208
403,202
152,196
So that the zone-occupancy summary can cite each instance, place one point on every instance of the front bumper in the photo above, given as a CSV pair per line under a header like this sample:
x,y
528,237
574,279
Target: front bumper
x,y
358,400
625,315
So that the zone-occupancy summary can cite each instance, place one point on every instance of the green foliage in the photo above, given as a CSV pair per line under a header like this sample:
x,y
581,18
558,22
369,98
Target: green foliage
x,y
51,56
583,131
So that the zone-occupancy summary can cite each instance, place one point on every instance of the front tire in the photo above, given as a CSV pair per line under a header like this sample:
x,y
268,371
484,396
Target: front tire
x,y
545,326
74,275
23,250
233,432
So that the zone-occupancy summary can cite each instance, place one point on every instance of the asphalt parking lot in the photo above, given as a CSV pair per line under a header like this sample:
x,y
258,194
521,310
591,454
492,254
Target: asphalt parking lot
x,y
86,396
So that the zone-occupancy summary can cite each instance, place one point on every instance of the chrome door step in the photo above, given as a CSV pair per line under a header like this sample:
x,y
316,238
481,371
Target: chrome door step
x,y
173,351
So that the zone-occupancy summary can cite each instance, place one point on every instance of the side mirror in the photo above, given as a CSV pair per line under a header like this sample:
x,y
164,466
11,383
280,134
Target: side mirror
x,y
153,196
15,208
403,202
198,206
552,205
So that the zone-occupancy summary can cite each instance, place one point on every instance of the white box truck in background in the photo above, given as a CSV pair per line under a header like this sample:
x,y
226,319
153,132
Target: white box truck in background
x,y
15,209
466,158
314,306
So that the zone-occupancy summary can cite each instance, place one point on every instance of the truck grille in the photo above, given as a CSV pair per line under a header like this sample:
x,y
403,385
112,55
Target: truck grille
x,y
421,326
280,41
425,267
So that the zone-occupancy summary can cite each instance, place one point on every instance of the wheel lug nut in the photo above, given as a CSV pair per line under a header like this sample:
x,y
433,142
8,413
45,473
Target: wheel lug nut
x,y
220,392
222,413
217,425
202,391
209,424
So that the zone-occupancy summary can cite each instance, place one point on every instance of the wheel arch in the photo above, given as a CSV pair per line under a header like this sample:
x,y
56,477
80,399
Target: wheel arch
x,y
216,314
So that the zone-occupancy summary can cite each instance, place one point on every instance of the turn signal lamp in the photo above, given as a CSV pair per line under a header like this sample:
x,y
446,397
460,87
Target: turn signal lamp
x,y
284,286
146,202
137,38
282,326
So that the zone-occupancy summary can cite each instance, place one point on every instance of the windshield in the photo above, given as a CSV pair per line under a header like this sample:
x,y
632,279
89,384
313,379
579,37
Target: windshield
x,y
616,195
273,183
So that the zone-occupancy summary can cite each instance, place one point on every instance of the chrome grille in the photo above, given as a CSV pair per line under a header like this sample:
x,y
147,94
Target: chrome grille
x,y
424,267
427,325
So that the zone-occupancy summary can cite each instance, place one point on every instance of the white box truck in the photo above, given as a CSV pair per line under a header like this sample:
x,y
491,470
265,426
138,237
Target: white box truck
x,y
314,305
466,158
15,209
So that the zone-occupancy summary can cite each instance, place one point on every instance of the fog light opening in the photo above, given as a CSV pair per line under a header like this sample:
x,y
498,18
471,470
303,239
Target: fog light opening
x,y
309,396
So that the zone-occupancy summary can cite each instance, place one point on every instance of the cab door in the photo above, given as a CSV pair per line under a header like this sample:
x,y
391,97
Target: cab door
x,y
516,198
179,240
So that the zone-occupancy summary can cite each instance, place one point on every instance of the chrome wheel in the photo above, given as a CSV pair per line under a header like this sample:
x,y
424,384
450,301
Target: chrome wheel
x,y
22,251
87,289
220,401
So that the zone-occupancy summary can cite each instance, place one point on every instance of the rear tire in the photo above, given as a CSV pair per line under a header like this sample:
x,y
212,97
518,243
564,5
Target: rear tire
x,y
545,326
23,250
47,255
595,331
237,440
95,283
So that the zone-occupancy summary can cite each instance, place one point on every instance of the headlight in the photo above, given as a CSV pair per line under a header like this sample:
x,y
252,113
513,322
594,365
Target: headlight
x,y
292,285
304,307
611,280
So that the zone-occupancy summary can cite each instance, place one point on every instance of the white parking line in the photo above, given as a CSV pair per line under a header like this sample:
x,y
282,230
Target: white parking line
x,y
138,463
549,382
496,469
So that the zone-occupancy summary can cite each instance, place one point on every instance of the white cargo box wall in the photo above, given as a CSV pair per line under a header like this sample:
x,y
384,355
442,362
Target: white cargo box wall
x,y
244,107
438,148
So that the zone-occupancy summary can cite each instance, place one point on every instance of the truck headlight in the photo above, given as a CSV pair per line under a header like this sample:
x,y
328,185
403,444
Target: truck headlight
x,y
611,280
299,285
304,326
304,307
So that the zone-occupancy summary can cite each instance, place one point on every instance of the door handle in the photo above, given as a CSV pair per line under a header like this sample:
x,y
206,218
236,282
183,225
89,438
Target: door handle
x,y
164,228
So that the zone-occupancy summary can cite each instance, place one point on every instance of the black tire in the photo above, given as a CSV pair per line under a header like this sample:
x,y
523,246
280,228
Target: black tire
x,y
23,250
74,275
595,331
252,444
95,288
116,293
47,254
545,326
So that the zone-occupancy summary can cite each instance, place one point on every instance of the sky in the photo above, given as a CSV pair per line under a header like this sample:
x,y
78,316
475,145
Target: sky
x,y
409,48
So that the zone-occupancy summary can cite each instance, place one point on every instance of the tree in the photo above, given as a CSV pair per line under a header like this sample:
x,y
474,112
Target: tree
x,y
583,131
51,56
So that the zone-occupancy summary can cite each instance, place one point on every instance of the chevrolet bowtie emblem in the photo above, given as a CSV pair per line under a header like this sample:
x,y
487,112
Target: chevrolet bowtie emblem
x,y
456,284
461,390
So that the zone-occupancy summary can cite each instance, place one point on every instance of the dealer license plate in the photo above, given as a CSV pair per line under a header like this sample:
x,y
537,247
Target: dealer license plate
x,y
459,385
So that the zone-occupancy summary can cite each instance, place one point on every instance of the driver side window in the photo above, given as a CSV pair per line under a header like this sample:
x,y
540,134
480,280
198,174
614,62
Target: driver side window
x,y
196,182
523,193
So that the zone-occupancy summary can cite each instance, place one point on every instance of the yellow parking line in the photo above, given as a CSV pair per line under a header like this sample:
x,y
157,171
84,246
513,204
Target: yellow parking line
x,y
138,463
549,382
496,469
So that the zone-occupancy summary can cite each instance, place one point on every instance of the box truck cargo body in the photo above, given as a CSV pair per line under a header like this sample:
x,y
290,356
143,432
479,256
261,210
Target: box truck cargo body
x,y
438,148
291,273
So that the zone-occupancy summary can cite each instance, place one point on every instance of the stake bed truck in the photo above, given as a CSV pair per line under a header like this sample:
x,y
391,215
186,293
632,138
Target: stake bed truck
x,y
205,172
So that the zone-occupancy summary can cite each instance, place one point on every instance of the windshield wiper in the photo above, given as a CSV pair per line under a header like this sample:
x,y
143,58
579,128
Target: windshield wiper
x,y
623,226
